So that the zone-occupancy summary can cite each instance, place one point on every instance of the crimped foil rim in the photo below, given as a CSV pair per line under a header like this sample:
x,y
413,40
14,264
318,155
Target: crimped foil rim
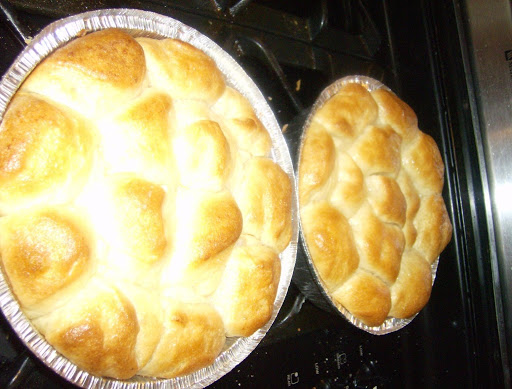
x,y
391,324
145,23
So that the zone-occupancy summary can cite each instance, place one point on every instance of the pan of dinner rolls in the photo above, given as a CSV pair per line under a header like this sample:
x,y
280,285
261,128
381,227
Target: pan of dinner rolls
x,y
148,211
372,216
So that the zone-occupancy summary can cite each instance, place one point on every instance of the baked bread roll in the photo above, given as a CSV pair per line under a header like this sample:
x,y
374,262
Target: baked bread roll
x,y
44,153
170,62
92,87
373,217
141,217
253,269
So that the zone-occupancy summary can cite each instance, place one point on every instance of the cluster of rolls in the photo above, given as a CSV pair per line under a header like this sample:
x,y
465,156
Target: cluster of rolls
x,y
142,217
372,212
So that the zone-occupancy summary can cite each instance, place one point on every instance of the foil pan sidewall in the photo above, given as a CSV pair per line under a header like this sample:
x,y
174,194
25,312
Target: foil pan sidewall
x,y
306,276
144,23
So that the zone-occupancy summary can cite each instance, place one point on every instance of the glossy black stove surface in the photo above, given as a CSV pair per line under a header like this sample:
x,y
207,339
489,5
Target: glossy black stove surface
x,y
293,50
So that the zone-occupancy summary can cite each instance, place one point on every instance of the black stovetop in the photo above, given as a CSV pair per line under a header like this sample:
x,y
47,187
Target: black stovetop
x,y
293,50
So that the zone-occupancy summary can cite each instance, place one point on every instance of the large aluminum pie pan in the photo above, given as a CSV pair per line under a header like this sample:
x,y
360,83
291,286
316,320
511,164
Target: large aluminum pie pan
x,y
306,276
148,24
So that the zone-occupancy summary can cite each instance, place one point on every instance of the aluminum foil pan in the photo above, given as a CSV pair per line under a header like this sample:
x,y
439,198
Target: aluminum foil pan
x,y
148,24
306,276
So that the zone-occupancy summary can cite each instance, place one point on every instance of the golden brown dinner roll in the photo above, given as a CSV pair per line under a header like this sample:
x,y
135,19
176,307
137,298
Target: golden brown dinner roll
x,y
377,151
386,199
422,161
46,254
348,186
128,175
187,112
210,224
264,197
128,214
348,113
138,137
380,244
93,75
366,296
330,242
413,201
192,337
214,224
246,294
318,156
45,153
146,302
415,274
433,226
169,67
97,330
202,155
137,220
372,213
395,113
241,123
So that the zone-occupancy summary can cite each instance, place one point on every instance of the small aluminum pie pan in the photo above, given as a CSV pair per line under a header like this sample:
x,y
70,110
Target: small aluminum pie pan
x,y
148,24
306,276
